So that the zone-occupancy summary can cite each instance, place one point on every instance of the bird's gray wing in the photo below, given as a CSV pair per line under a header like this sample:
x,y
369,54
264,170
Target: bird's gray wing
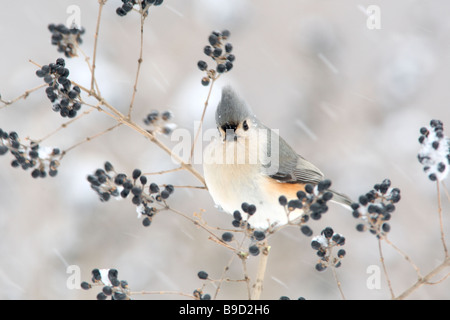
x,y
293,168
290,167
298,170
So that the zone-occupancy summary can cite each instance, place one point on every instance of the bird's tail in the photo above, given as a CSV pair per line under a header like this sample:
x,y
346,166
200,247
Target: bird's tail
x,y
341,199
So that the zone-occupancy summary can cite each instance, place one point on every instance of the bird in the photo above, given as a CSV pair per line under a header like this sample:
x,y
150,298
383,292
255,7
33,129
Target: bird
x,y
252,164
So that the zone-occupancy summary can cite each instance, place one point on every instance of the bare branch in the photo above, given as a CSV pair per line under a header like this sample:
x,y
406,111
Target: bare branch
x,y
407,258
65,125
338,282
202,118
384,269
94,56
22,96
425,280
90,138
141,49
441,223
258,285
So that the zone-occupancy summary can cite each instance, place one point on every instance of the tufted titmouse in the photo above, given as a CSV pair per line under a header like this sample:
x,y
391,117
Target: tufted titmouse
x,y
251,163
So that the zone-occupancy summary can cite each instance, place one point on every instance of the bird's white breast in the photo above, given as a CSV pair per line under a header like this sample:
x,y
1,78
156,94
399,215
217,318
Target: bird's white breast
x,y
232,181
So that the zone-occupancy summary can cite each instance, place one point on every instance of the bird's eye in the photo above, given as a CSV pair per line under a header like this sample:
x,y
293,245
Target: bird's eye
x,y
245,125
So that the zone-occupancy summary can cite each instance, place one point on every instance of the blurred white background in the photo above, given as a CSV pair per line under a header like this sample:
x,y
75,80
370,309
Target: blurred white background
x,y
349,98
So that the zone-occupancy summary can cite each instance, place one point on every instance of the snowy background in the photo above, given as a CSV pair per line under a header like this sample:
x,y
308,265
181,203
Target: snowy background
x,y
349,98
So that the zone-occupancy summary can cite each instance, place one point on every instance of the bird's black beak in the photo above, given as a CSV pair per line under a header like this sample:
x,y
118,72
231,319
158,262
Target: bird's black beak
x,y
230,131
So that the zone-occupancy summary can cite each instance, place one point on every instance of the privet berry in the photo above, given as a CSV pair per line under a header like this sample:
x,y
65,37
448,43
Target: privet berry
x,y
227,236
306,230
375,208
63,96
434,153
128,6
202,65
86,286
312,201
146,221
160,122
254,250
220,52
66,39
282,200
101,296
108,183
42,161
251,209
324,244
110,285
202,275
107,290
259,235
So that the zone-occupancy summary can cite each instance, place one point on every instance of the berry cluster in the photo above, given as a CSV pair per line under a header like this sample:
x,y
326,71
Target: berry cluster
x,y
111,285
43,160
238,221
128,5
66,39
375,208
62,95
221,54
107,183
434,153
160,122
324,244
313,202
255,236
198,293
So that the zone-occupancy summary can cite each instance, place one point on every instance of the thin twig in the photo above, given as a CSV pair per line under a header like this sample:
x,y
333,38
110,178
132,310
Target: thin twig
x,y
338,282
94,56
90,138
22,96
446,191
213,236
226,280
262,265
243,258
407,258
117,114
246,277
64,125
385,270
425,280
126,121
163,171
202,119
221,280
119,117
130,109
216,239
35,63
440,280
441,223
86,59
162,146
